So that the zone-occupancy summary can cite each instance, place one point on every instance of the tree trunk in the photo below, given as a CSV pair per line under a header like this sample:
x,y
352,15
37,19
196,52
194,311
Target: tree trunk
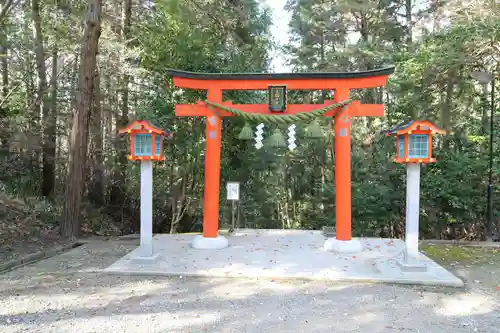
x,y
42,103
50,133
96,186
409,23
107,109
118,189
70,226
4,68
29,77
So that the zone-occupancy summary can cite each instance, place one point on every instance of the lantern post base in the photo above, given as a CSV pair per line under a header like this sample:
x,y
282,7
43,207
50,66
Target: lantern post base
x,y
343,246
411,263
147,253
146,258
210,243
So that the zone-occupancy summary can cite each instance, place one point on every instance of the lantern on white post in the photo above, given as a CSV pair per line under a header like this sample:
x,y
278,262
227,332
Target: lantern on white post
x,y
414,147
146,146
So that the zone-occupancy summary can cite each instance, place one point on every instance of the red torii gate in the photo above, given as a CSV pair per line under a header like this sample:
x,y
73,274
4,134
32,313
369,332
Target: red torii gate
x,y
341,83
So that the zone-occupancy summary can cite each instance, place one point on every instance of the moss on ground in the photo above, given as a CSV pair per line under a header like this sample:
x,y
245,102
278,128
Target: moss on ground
x,y
478,266
453,254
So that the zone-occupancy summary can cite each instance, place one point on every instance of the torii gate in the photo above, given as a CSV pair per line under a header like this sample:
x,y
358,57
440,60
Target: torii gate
x,y
341,83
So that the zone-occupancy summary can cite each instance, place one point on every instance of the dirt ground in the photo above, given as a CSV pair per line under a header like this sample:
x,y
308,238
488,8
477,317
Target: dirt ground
x,y
22,232
67,293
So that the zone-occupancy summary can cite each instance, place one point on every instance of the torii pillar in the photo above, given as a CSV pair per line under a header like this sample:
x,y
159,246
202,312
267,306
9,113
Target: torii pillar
x,y
343,241
341,83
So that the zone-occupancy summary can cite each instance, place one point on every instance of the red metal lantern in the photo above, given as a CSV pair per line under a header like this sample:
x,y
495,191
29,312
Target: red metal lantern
x,y
414,141
146,141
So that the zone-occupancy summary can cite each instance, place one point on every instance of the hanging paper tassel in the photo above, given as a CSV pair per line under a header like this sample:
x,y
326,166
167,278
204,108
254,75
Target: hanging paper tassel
x,y
277,139
331,131
246,133
313,130
291,137
258,136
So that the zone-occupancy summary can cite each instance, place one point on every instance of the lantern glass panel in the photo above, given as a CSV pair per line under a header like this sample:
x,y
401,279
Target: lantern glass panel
x,y
418,146
158,144
401,146
142,144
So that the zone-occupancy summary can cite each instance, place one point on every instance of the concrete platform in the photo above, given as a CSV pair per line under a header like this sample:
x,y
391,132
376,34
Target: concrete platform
x,y
284,254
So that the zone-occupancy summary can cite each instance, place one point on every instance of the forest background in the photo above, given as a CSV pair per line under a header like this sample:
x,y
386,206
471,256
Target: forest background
x,y
74,72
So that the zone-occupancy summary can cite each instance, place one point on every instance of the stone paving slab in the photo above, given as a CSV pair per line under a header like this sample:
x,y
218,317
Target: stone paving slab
x,y
282,254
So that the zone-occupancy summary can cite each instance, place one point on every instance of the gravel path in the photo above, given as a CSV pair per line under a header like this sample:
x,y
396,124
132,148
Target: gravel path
x,y
67,294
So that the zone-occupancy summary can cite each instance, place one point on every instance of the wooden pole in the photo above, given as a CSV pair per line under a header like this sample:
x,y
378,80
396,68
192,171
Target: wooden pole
x,y
233,214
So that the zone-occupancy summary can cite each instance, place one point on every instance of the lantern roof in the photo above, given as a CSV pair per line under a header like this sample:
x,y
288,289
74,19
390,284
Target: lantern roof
x,y
412,125
143,125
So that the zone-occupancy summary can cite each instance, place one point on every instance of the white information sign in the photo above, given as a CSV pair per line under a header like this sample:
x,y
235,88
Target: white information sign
x,y
233,191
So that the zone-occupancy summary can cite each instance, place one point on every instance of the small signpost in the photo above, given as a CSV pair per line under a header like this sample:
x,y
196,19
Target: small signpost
x,y
233,194
233,191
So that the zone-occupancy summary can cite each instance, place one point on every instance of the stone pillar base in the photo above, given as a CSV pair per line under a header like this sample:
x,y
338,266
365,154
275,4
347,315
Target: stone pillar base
x,y
209,243
351,246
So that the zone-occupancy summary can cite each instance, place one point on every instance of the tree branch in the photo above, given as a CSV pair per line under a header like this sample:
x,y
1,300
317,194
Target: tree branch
x,y
6,8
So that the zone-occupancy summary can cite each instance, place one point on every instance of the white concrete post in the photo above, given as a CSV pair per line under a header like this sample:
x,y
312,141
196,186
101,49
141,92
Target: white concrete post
x,y
412,209
146,249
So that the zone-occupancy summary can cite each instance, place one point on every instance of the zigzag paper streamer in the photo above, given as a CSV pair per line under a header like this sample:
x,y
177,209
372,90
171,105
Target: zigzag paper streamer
x,y
258,136
291,137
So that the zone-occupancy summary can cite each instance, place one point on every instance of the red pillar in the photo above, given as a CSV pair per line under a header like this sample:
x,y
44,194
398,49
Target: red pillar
x,y
343,169
212,169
